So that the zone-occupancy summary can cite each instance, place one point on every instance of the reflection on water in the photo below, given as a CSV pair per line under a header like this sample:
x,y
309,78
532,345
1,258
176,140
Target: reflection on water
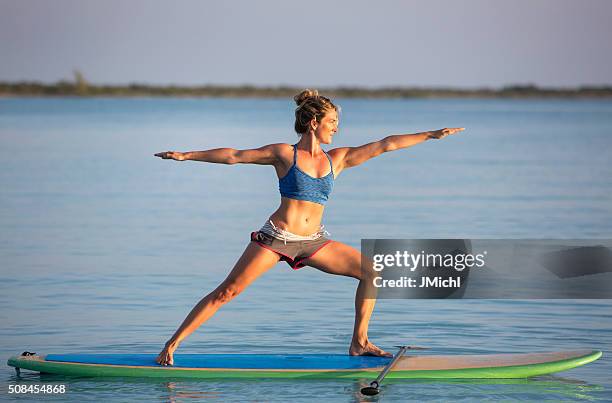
x,y
178,392
551,387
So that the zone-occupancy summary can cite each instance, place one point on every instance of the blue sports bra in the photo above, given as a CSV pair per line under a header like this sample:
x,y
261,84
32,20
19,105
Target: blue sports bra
x,y
297,184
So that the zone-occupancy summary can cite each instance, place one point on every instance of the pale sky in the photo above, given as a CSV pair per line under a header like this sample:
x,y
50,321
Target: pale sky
x,y
468,43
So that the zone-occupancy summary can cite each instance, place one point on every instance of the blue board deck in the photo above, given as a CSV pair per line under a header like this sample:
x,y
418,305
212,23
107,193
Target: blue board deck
x,y
247,361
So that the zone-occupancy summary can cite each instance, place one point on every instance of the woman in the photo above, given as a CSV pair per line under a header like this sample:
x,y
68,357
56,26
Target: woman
x,y
294,232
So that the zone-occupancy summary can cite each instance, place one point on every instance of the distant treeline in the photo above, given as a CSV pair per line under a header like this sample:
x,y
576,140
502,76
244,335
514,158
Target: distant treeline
x,y
82,88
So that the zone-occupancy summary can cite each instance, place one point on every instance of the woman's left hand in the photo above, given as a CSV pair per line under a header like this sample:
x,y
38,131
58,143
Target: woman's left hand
x,y
440,134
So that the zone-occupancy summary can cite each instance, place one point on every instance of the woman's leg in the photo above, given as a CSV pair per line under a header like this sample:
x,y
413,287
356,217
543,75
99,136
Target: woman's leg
x,y
254,262
338,258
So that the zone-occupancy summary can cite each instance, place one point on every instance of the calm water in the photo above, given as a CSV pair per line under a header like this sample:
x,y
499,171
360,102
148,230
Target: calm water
x,y
105,248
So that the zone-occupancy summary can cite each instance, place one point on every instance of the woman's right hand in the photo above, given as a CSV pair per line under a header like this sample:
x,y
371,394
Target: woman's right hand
x,y
171,155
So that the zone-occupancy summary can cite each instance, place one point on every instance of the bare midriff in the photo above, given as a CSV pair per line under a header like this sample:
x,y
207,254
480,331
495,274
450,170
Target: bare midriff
x,y
299,217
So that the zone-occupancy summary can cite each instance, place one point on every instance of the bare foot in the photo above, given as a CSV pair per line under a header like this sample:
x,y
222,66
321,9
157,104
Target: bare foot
x,y
166,355
367,349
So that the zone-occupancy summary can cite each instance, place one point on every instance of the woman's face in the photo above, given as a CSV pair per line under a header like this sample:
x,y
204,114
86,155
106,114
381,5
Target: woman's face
x,y
327,127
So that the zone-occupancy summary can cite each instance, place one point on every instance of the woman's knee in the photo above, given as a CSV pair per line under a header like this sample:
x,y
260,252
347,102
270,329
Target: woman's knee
x,y
366,271
226,293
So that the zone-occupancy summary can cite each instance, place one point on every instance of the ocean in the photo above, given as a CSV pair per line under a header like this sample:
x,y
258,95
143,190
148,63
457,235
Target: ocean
x,y
105,248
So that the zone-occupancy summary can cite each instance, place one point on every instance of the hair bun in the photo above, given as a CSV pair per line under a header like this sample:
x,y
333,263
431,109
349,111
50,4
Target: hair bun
x,y
304,95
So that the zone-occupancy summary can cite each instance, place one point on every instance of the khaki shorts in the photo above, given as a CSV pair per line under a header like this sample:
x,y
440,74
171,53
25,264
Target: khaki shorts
x,y
292,252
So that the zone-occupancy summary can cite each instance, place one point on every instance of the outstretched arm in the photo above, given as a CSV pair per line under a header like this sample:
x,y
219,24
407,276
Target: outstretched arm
x,y
353,156
266,155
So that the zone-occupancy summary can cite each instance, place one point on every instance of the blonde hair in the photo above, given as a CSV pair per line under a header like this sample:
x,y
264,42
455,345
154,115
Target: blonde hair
x,y
310,105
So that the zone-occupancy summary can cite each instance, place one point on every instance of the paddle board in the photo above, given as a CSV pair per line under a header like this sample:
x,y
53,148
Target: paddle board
x,y
306,366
